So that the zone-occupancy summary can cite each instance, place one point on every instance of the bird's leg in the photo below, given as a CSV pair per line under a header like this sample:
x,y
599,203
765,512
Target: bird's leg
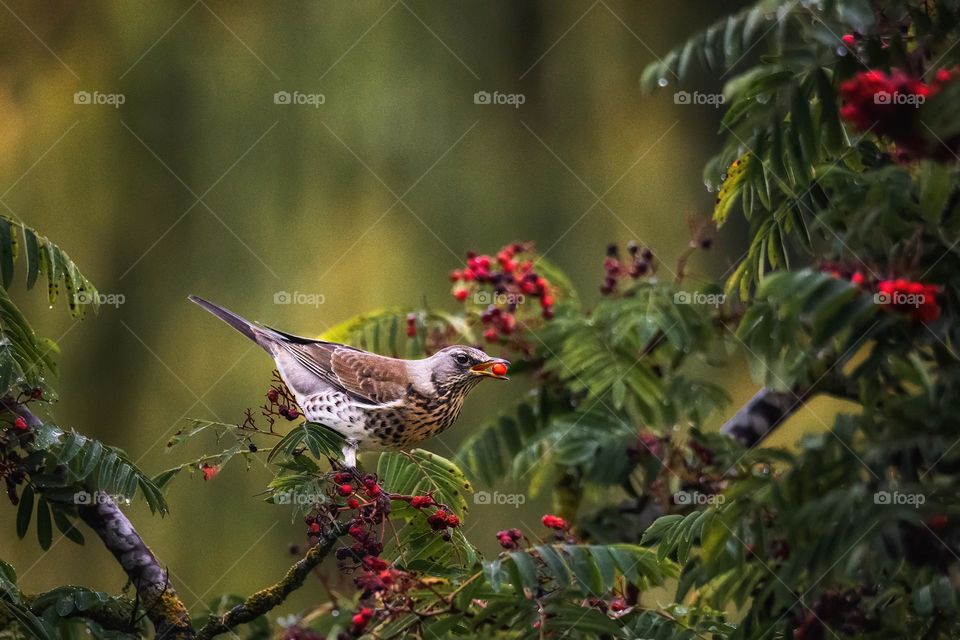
x,y
350,454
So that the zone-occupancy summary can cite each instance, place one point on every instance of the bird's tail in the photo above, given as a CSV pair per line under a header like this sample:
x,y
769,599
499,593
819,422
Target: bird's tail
x,y
261,335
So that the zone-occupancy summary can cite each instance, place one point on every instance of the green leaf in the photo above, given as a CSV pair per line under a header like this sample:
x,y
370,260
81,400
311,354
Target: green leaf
x,y
44,528
24,511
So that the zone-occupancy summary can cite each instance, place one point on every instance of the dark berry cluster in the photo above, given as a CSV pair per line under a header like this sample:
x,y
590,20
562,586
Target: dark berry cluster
x,y
501,286
833,611
887,105
441,519
917,299
280,404
509,538
647,444
384,589
641,262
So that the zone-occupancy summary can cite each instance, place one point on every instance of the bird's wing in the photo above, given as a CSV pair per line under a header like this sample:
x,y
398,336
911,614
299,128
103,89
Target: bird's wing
x,y
367,376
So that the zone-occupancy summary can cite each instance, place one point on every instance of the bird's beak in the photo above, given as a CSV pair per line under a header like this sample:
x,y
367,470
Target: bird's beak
x,y
488,368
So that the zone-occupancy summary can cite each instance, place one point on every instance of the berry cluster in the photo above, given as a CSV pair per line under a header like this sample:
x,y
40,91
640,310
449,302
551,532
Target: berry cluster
x,y
209,470
501,285
640,263
280,404
917,299
887,105
555,522
509,538
441,519
362,619
836,611
360,497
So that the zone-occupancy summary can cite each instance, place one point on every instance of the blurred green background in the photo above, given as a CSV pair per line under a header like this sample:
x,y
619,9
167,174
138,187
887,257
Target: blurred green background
x,y
201,183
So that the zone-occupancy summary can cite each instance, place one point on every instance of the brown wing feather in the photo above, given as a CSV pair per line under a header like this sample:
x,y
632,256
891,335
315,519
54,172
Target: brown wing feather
x,y
369,377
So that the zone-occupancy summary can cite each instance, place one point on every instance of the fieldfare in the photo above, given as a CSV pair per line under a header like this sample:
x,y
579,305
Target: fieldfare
x,y
373,401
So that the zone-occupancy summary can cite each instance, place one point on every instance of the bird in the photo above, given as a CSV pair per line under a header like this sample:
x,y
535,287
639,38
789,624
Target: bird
x,y
375,402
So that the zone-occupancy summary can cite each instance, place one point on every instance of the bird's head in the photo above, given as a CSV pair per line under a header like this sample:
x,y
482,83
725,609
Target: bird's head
x,y
463,367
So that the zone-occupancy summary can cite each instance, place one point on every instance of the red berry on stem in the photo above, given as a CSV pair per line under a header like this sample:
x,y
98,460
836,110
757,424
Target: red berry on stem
x,y
20,423
345,489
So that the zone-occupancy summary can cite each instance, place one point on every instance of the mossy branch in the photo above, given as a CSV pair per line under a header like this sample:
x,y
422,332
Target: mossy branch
x,y
270,597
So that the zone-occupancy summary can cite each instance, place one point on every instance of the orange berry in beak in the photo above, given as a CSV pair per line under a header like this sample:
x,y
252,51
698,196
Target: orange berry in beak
x,y
499,369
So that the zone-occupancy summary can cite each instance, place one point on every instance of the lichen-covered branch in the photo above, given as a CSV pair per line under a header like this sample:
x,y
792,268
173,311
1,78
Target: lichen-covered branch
x,y
156,595
761,415
266,599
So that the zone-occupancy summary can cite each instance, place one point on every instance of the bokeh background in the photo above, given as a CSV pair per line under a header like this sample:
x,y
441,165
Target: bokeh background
x,y
199,182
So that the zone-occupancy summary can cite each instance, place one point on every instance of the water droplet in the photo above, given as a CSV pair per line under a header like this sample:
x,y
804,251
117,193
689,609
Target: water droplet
x,y
723,177
841,51
662,82
763,98
709,185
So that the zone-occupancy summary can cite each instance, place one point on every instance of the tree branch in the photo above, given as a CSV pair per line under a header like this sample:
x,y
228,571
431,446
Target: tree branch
x,y
159,599
266,599
762,414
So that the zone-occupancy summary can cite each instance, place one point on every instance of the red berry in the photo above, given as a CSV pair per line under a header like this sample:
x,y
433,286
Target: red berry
x,y
345,489
849,39
937,521
460,294
292,414
356,531
341,477
374,563
373,491
419,502
453,520
314,528
554,522
491,335
20,423
499,369
857,278
353,503
272,395
359,621
36,393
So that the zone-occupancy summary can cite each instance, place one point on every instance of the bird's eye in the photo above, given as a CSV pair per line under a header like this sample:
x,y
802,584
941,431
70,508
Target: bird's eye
x,y
461,358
